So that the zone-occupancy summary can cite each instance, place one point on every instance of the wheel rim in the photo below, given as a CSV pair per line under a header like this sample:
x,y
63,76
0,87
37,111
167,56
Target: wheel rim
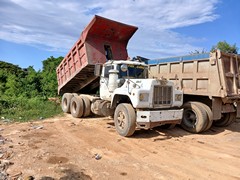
x,y
121,120
189,118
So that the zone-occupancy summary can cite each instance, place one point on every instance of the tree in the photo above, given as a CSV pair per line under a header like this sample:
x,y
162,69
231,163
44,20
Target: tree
x,y
10,68
13,86
27,83
3,80
225,47
49,77
31,83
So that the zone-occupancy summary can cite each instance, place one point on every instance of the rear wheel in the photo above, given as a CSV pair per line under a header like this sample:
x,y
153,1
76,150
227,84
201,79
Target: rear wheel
x,y
209,115
87,106
125,119
194,117
232,118
227,119
77,107
66,101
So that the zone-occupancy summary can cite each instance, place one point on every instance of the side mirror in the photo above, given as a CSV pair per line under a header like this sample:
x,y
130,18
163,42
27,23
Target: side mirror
x,y
98,70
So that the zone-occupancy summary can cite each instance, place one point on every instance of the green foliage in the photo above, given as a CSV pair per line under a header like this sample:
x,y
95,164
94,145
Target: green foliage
x,y
225,47
24,92
9,76
31,83
3,80
12,86
24,109
49,77
10,68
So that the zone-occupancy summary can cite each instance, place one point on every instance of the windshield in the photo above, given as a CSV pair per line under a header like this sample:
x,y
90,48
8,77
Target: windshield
x,y
134,71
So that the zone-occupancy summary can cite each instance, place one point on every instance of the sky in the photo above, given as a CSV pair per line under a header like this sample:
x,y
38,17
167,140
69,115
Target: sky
x,y
33,30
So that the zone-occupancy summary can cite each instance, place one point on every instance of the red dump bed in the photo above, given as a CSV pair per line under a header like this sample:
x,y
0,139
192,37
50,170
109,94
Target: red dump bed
x,y
102,39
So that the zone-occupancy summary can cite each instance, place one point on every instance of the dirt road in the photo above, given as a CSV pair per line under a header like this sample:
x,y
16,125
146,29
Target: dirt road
x,y
67,148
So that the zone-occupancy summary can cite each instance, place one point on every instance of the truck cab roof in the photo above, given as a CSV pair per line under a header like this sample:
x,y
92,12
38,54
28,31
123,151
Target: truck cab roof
x,y
126,62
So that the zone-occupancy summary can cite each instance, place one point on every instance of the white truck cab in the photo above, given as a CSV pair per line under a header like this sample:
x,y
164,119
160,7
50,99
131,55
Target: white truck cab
x,y
138,101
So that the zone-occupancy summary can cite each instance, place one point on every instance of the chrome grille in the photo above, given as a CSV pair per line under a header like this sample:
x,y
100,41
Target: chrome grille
x,y
162,95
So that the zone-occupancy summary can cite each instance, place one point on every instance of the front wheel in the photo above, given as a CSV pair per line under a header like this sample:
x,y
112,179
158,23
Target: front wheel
x,y
194,118
209,114
125,119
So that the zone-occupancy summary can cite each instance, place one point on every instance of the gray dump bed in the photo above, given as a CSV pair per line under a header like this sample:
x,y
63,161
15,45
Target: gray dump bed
x,y
215,74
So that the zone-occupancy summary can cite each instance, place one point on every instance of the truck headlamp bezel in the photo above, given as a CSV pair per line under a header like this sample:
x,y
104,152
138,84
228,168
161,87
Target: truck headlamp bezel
x,y
143,96
178,97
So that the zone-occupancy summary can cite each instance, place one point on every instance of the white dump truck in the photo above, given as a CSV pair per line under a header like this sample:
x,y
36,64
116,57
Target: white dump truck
x,y
91,82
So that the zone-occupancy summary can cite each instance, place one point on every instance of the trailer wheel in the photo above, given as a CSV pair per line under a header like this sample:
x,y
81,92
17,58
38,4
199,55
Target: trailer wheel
x,y
87,106
209,115
77,107
194,118
227,119
232,118
66,100
125,119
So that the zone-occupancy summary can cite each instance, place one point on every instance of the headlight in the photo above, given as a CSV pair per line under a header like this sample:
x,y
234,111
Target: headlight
x,y
143,96
178,97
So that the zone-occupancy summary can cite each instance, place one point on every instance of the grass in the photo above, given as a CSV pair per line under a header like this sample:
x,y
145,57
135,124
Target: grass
x,y
22,109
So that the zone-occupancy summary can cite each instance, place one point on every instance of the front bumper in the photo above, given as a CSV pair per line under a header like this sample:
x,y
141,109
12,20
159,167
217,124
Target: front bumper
x,y
150,119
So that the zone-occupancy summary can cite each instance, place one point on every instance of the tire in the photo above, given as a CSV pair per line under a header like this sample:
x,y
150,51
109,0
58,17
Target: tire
x,y
194,118
87,106
232,118
66,101
227,119
77,107
125,119
209,115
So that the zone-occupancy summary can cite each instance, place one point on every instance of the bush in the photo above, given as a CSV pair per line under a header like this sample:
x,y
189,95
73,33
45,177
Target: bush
x,y
24,91
24,109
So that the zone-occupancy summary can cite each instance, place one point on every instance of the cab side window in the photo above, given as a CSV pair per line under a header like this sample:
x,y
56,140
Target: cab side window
x,y
106,71
108,52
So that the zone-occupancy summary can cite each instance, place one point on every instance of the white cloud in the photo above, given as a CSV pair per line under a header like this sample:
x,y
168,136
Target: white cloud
x,y
56,25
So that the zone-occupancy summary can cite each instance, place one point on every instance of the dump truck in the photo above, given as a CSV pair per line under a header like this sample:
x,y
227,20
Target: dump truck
x,y
97,77
210,83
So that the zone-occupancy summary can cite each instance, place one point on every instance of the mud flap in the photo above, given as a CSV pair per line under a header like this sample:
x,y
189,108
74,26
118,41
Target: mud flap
x,y
216,108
